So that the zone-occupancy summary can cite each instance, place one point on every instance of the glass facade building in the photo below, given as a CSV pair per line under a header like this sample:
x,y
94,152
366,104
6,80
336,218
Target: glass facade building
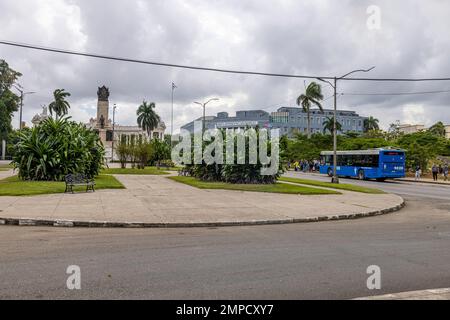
x,y
290,120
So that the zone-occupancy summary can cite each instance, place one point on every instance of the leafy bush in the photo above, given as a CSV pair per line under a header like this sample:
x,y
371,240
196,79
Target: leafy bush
x,y
235,173
56,148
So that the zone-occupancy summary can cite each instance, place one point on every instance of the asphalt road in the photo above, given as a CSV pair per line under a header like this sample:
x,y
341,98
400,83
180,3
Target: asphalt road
x,y
326,260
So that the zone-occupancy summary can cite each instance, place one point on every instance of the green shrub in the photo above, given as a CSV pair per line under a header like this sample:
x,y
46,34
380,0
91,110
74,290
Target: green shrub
x,y
56,148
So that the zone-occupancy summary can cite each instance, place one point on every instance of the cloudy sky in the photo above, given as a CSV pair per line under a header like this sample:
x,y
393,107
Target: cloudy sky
x,y
316,37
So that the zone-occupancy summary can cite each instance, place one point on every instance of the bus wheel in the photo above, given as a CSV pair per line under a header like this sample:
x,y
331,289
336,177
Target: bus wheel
x,y
361,175
330,172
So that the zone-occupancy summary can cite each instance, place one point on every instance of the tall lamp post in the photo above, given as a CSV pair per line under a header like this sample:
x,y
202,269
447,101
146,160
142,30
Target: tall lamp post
x,y
113,135
204,107
171,114
335,178
22,95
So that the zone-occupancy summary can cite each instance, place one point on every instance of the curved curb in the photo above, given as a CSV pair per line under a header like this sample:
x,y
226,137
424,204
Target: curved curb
x,y
106,224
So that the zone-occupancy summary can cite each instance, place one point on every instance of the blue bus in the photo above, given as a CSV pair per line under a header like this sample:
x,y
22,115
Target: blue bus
x,y
379,164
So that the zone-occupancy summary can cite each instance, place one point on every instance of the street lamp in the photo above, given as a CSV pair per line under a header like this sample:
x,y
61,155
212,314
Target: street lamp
x,y
22,95
335,178
204,105
113,127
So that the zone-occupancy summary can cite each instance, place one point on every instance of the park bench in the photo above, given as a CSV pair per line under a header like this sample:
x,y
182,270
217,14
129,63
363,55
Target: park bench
x,y
163,165
78,179
183,172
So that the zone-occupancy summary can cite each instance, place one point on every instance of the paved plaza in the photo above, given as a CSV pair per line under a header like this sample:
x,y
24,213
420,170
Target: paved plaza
x,y
158,200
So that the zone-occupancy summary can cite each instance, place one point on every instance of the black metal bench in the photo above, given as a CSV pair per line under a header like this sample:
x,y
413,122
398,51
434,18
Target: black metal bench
x,y
183,172
78,179
162,165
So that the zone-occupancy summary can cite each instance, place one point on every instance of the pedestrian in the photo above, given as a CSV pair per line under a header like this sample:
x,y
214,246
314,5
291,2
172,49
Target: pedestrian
x,y
445,172
435,171
418,172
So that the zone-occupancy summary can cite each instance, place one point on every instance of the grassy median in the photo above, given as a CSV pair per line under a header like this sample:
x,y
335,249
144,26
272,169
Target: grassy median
x,y
13,186
273,188
340,186
146,171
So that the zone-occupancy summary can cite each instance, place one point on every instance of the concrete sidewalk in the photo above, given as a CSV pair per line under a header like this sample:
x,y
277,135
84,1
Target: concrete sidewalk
x,y
431,294
426,180
155,201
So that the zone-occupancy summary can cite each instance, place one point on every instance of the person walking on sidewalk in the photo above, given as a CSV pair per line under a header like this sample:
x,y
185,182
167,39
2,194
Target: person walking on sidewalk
x,y
435,171
445,172
418,172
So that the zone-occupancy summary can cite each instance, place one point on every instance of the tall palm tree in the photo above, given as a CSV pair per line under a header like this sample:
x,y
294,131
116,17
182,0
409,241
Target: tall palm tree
x,y
147,118
59,105
312,96
328,125
371,123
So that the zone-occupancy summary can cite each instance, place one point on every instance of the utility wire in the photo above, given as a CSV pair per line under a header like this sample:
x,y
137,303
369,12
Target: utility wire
x,y
395,93
173,65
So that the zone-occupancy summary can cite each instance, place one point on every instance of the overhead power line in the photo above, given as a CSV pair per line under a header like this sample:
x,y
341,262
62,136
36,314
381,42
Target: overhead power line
x,y
394,93
173,65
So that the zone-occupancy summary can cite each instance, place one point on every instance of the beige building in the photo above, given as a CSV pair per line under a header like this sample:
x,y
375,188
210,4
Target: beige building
x,y
410,128
447,131
107,132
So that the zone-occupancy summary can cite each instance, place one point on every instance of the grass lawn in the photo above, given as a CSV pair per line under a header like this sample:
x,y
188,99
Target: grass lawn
x,y
147,170
340,186
13,186
274,188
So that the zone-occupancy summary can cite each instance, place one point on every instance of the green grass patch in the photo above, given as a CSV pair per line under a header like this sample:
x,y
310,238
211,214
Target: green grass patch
x,y
273,188
340,186
146,171
13,186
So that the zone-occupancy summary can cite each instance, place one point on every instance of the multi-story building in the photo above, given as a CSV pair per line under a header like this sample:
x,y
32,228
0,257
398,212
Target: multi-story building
x,y
410,128
289,120
447,131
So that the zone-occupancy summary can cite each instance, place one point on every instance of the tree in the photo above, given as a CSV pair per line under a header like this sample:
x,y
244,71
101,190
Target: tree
x,y
328,125
59,105
9,102
437,129
312,96
371,123
147,119
55,148
7,76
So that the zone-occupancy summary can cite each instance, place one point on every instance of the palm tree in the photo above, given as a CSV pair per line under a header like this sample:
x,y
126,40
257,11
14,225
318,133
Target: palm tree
x,y
328,125
147,119
371,123
312,96
59,105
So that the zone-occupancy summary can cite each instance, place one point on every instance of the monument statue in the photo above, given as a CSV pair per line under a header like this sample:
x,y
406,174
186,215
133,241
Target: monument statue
x,y
103,93
102,122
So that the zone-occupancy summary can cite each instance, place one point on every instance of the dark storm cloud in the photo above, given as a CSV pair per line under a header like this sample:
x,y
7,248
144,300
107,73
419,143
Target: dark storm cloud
x,y
302,37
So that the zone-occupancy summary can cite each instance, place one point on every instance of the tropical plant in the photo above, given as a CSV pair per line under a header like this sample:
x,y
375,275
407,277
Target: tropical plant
x,y
55,148
437,129
59,105
371,123
147,118
161,151
312,96
245,173
328,125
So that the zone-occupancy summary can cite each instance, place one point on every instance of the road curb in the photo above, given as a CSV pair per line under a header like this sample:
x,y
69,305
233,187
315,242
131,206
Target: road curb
x,y
439,183
430,294
108,224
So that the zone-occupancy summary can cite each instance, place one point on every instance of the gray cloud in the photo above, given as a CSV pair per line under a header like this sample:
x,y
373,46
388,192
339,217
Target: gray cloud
x,y
304,37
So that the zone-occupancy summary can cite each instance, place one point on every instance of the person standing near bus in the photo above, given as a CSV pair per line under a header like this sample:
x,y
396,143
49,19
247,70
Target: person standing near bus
x,y
445,172
418,172
435,171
